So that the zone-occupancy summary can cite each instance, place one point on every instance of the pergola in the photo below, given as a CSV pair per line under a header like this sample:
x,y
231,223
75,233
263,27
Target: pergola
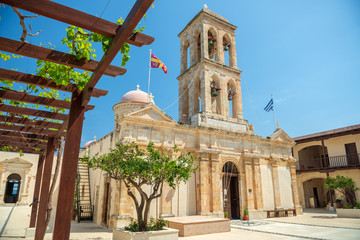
x,y
20,132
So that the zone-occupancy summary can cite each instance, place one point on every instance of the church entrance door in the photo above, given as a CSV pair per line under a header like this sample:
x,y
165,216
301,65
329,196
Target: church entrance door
x,y
231,191
12,188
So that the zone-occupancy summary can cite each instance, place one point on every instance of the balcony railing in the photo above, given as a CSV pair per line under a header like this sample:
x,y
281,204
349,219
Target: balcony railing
x,y
343,161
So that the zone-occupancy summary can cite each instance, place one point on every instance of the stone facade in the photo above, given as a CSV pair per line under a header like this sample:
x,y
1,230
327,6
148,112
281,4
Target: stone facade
x,y
23,166
262,175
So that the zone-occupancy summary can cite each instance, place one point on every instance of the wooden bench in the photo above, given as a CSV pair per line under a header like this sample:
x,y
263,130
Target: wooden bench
x,y
276,212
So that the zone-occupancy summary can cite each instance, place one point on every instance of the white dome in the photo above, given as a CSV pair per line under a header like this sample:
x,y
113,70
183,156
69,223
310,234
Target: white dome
x,y
88,143
135,96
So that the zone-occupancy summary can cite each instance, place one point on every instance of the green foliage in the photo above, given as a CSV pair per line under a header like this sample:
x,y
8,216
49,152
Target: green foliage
x,y
130,162
246,212
344,185
226,214
133,226
348,206
157,224
357,205
340,183
153,225
139,166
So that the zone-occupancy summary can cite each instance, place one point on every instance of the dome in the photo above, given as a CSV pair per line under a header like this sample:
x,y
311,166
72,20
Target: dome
x,y
135,96
89,142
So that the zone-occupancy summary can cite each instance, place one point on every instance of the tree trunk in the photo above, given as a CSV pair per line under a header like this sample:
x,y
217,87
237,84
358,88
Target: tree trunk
x,y
57,170
146,213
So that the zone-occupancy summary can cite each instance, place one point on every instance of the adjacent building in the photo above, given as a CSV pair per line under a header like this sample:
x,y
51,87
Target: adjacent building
x,y
330,153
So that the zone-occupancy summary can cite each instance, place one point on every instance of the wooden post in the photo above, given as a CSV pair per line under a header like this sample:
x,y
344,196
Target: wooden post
x,y
69,168
39,173
44,195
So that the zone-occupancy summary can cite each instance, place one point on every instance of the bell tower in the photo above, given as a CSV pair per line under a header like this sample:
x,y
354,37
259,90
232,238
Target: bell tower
x,y
209,81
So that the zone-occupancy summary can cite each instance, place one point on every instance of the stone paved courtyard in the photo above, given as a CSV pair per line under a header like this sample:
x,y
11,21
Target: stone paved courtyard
x,y
313,224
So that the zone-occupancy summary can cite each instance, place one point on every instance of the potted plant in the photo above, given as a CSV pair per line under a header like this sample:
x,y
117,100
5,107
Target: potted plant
x,y
226,215
339,203
144,171
246,214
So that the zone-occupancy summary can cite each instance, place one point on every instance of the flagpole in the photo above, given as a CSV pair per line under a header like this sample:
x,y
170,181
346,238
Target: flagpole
x,y
149,73
273,110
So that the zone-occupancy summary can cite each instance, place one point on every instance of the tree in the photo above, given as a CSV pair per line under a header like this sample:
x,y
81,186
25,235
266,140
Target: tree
x,y
344,185
137,167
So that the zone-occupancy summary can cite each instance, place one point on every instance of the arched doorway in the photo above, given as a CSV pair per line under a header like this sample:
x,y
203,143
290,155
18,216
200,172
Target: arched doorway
x,y
12,188
230,183
315,193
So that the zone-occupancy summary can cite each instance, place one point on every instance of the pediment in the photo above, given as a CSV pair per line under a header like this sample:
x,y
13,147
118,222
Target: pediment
x,y
17,161
151,112
281,135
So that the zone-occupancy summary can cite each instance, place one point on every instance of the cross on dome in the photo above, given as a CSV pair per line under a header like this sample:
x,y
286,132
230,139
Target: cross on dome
x,y
137,87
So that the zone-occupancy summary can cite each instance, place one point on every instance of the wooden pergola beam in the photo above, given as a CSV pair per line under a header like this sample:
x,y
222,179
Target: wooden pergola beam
x,y
50,55
30,122
21,144
28,129
23,135
21,140
43,82
74,17
122,34
27,98
23,149
32,112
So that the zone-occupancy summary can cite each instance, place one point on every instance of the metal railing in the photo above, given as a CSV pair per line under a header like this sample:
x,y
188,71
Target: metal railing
x,y
343,161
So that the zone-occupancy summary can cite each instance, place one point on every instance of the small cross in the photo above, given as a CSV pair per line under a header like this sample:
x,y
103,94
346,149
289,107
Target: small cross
x,y
94,138
205,6
137,86
151,98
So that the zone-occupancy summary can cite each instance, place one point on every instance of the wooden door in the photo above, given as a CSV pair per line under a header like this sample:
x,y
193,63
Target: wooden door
x,y
226,195
351,154
234,193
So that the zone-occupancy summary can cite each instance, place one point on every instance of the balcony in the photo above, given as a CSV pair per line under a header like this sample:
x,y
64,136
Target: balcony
x,y
329,163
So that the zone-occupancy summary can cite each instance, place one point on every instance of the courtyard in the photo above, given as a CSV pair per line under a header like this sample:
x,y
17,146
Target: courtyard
x,y
313,224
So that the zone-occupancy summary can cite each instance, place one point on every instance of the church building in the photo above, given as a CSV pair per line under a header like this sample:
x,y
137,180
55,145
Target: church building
x,y
238,170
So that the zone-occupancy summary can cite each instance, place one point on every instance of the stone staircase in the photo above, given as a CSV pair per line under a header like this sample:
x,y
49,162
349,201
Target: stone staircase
x,y
84,205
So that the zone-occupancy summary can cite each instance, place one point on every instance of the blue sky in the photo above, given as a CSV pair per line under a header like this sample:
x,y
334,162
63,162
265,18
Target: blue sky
x,y
306,53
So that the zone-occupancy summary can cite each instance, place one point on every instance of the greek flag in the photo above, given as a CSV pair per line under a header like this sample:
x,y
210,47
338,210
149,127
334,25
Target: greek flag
x,y
269,106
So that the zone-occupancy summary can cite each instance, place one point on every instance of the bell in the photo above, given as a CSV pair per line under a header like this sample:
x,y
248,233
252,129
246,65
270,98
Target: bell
x,y
226,48
214,92
211,42
229,96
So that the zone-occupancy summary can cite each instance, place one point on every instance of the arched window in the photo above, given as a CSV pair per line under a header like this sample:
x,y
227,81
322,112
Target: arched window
x,y
198,46
12,188
215,92
197,95
185,103
212,44
226,43
231,97
229,167
185,56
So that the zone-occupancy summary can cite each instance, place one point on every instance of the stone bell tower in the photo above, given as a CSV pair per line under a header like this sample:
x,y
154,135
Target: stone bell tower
x,y
209,81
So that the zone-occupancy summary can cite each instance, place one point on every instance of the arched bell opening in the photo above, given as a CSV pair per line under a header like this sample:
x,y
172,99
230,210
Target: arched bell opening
x,y
215,92
226,43
12,188
231,97
231,196
212,44
197,46
197,95
185,103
